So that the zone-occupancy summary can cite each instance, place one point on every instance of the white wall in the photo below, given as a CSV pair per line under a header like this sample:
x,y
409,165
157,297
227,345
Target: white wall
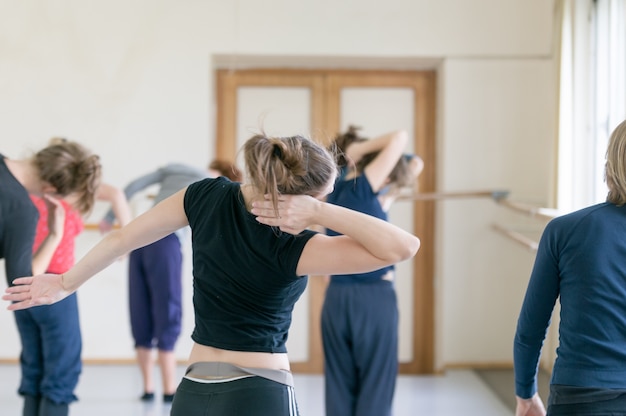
x,y
133,80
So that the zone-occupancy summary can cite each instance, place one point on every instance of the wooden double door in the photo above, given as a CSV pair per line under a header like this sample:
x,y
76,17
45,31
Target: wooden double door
x,y
319,104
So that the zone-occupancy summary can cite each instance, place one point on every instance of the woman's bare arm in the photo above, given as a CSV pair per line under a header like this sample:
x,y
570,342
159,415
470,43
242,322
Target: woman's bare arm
x,y
390,146
56,221
161,220
367,243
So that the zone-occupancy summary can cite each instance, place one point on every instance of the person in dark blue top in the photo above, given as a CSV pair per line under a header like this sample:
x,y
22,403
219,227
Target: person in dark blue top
x,y
252,251
581,260
360,311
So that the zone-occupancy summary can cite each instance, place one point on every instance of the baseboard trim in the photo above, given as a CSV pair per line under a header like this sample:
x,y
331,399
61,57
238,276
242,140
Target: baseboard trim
x,y
496,365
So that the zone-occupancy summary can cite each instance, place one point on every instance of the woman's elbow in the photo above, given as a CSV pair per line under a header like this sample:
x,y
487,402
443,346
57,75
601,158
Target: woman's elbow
x,y
413,246
407,249
401,136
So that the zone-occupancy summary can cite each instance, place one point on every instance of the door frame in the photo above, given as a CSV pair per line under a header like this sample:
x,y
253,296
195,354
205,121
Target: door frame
x,y
325,87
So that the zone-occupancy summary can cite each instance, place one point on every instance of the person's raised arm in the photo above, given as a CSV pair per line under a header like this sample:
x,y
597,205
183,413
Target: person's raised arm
x,y
367,243
161,220
133,187
55,221
390,146
119,205
415,168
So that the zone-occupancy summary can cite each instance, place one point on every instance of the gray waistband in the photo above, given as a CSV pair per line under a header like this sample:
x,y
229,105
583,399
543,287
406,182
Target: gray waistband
x,y
218,370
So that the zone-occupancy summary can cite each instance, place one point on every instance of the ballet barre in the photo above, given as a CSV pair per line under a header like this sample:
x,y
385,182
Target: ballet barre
x,y
530,210
95,227
430,196
501,198
517,237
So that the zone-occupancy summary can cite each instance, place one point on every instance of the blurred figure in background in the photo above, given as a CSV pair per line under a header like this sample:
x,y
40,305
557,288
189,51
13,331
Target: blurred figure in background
x,y
360,311
63,169
54,252
154,278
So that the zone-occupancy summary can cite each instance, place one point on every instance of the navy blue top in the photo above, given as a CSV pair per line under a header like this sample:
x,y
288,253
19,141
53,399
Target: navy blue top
x,y
357,194
245,283
18,223
581,259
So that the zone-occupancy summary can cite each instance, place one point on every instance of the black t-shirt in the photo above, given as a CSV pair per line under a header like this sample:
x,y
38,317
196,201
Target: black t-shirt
x,y
18,223
245,283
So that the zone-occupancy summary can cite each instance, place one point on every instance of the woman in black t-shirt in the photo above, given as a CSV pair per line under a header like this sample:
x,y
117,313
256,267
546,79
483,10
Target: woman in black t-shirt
x,y
252,250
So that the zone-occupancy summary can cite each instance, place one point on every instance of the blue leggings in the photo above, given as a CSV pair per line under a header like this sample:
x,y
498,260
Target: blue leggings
x,y
51,350
155,293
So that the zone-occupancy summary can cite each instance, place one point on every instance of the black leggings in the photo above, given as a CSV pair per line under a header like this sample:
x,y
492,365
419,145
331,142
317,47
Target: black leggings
x,y
250,396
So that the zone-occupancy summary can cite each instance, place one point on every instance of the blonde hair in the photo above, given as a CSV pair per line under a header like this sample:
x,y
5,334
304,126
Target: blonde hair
x,y
288,165
615,168
70,169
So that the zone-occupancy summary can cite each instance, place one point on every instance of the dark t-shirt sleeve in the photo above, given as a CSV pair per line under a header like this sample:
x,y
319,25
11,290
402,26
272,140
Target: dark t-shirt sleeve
x,y
18,241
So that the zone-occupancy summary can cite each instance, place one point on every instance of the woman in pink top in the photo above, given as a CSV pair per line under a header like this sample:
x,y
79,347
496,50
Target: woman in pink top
x,y
51,355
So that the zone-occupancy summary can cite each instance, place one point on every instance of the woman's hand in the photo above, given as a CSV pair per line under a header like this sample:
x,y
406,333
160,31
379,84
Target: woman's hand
x,y
43,289
56,215
295,212
530,407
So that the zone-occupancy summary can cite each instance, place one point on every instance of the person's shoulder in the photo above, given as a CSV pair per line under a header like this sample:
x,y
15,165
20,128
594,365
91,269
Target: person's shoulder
x,y
586,211
210,184
589,213
209,192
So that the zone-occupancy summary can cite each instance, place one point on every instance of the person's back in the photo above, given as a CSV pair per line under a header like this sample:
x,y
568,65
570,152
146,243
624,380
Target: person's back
x,y
589,248
229,246
594,281
17,230
360,310
580,261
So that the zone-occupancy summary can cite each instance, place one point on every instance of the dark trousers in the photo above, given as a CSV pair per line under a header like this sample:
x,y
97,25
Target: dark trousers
x,y
360,338
614,407
586,401
155,290
250,396
51,350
